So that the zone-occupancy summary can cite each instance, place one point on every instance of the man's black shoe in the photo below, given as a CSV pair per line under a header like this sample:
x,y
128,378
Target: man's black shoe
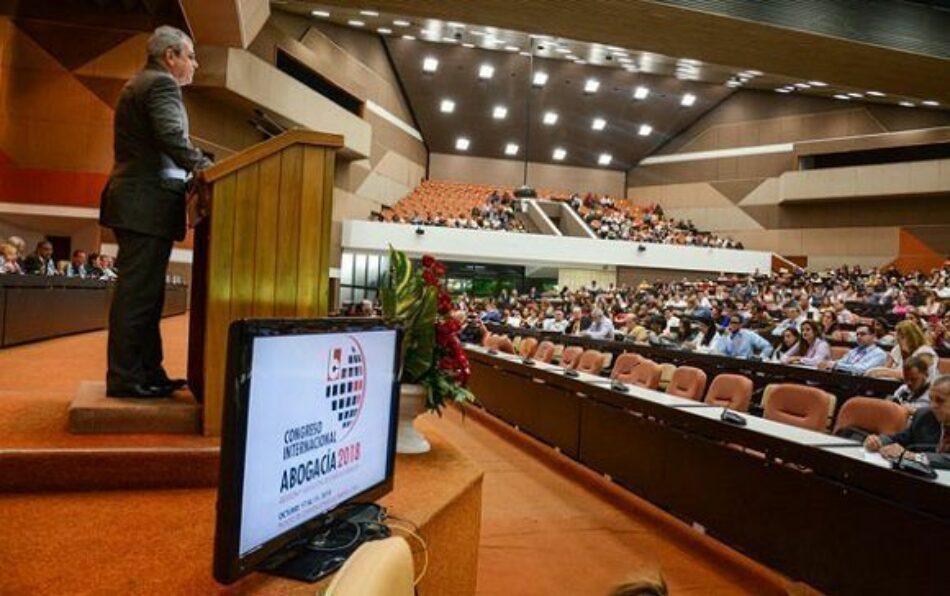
x,y
175,384
140,390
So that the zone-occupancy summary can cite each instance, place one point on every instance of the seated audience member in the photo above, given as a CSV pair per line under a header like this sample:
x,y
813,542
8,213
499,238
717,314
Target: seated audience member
x,y
742,343
473,329
843,315
789,346
9,263
77,266
634,331
910,342
107,264
942,333
860,359
882,332
557,323
514,318
915,392
601,327
20,245
829,325
94,265
793,318
812,348
927,438
578,322
41,261
491,314
705,338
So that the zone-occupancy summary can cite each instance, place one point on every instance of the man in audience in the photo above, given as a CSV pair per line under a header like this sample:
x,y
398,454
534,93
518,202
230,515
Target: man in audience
x,y
491,314
77,266
793,318
557,323
860,359
41,261
107,264
601,327
742,343
914,393
927,438
578,322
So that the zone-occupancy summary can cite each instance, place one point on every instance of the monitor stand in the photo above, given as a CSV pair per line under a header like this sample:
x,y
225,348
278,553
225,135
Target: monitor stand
x,y
327,548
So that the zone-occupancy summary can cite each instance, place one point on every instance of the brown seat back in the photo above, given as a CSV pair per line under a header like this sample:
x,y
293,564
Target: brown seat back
x,y
624,364
688,382
528,347
570,355
545,352
487,340
646,374
873,415
730,391
504,345
799,405
591,361
838,352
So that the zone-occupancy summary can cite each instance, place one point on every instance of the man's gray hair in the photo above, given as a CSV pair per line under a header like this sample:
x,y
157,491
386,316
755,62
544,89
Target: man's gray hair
x,y
163,38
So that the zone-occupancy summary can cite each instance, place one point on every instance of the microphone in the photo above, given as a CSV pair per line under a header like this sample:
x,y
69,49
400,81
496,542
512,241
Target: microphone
x,y
731,417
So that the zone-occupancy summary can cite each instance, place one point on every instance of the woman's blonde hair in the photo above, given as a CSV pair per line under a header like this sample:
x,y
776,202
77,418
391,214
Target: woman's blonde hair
x,y
912,334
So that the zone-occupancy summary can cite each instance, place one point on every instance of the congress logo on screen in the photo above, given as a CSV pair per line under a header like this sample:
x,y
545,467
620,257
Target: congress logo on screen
x,y
346,385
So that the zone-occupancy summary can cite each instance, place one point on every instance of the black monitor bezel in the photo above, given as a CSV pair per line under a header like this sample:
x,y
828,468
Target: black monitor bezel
x,y
229,566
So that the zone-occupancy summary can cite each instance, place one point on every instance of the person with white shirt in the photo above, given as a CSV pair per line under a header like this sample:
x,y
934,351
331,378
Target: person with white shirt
x,y
557,323
601,327
793,318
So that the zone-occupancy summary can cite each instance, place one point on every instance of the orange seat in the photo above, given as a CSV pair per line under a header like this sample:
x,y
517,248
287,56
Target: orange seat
x,y
545,352
487,340
569,356
730,391
624,364
591,361
943,365
688,382
504,345
528,347
874,415
799,405
646,374
838,352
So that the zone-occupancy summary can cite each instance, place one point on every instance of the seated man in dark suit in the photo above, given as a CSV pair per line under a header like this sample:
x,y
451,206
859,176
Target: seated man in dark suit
x,y
77,266
927,438
41,261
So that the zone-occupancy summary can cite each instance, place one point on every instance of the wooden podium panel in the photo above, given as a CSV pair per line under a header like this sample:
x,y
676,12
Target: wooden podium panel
x,y
263,250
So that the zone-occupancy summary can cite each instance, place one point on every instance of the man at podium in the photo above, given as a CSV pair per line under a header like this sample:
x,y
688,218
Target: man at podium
x,y
144,204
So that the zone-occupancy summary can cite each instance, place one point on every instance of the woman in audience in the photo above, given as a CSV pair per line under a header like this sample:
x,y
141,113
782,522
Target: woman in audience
x,y
9,263
705,339
829,323
789,346
882,332
813,349
911,341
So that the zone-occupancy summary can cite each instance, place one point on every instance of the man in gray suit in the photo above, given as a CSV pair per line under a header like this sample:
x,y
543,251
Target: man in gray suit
x,y
144,204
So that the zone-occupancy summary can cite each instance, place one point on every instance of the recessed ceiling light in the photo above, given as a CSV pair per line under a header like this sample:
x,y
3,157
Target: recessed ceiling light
x,y
855,95
449,40
447,106
462,143
733,83
468,45
559,154
486,71
401,23
477,33
499,113
384,30
598,124
563,50
539,79
369,13
689,61
409,37
931,103
876,94
641,92
688,99
512,48
906,104
355,23
841,96
430,32
581,62
430,64
456,24
511,149
802,85
549,118
591,86
320,13
783,90
570,56
755,73
817,84
604,159
644,130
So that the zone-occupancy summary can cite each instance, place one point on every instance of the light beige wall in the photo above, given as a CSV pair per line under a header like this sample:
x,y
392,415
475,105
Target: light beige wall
x,y
575,278
504,172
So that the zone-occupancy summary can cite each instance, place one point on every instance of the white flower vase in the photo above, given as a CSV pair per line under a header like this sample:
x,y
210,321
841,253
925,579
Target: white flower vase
x,y
412,403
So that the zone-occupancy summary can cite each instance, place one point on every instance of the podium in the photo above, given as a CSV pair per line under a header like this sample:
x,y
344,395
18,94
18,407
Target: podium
x,y
261,250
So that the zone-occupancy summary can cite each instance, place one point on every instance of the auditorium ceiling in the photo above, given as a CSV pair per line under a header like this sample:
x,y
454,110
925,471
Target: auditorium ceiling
x,y
614,105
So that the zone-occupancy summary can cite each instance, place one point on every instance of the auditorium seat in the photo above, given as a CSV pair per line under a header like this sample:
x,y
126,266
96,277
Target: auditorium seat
x,y
487,340
645,374
545,352
591,361
666,374
730,391
569,356
688,382
799,405
838,352
381,567
873,415
504,345
624,364
528,347
943,365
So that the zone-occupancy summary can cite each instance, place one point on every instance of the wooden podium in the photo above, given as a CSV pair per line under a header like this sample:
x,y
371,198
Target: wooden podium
x,y
262,250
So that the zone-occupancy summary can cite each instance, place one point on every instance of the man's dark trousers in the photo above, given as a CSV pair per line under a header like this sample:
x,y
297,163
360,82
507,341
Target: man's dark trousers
x,y
135,340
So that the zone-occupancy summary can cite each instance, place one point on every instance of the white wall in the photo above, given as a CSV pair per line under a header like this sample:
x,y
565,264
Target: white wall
x,y
540,250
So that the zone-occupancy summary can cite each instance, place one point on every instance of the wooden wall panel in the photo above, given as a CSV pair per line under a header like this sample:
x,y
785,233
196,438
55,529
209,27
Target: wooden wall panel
x,y
288,232
265,264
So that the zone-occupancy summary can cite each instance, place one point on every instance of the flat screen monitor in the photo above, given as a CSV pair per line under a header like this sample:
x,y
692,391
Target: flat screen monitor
x,y
309,426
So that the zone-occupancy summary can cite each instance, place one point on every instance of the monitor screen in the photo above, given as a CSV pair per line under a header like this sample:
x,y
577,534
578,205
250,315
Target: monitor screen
x,y
309,424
